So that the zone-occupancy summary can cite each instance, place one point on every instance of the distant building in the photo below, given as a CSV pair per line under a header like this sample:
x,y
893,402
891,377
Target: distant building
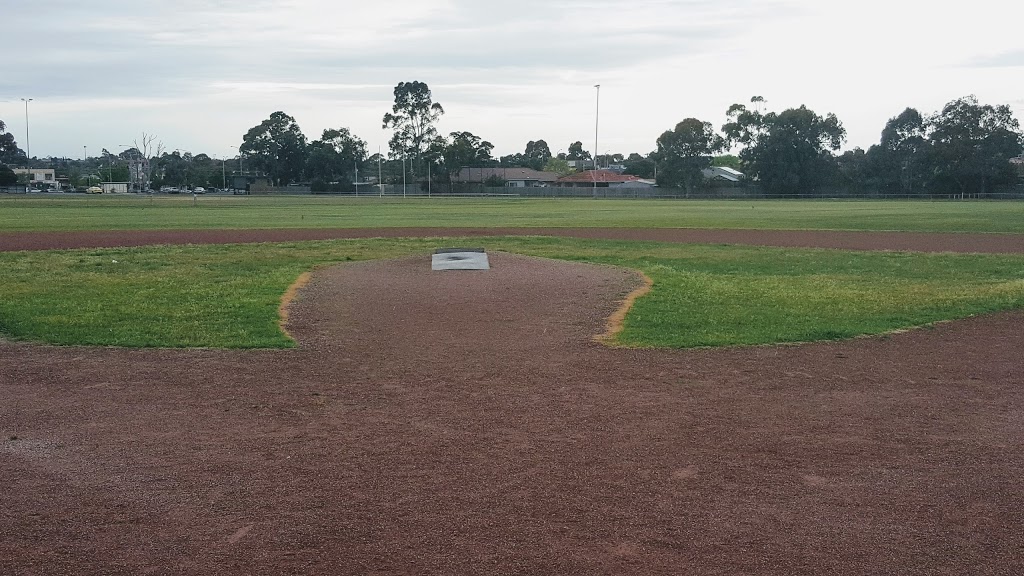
x,y
603,179
723,173
39,175
513,177
114,187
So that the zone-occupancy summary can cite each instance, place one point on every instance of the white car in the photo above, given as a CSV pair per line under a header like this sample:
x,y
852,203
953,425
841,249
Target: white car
x,y
199,190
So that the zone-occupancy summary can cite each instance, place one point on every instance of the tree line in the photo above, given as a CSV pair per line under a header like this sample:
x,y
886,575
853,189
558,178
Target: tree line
x,y
965,148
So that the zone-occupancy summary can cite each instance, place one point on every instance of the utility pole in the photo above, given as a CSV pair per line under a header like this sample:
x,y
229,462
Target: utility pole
x,y
380,179
597,117
28,144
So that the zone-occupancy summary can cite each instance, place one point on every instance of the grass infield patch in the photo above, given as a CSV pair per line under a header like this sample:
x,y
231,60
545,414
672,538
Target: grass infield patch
x,y
228,295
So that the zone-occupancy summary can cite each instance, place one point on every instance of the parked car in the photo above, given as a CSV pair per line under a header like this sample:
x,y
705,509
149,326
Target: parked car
x,y
94,190
199,190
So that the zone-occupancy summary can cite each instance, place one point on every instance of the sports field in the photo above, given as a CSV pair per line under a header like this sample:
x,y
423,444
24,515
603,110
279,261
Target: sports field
x,y
405,421
259,212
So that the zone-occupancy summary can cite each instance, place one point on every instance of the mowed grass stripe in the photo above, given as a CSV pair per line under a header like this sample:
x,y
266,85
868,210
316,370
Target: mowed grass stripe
x,y
227,296
241,212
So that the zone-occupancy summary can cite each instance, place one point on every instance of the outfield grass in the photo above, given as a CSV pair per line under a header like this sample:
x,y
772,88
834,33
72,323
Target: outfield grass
x,y
23,213
227,295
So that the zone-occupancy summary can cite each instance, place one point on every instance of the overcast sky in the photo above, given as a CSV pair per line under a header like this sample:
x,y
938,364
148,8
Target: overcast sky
x,y
199,74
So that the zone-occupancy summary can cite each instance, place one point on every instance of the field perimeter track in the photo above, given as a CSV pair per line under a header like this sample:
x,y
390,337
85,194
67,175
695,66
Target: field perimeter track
x,y
908,241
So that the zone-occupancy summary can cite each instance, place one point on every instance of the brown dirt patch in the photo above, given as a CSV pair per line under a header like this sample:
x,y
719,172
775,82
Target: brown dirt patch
x,y
466,423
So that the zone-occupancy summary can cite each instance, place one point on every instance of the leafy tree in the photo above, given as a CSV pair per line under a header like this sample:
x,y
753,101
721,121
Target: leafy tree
x,y
641,166
336,155
513,161
576,152
464,149
537,153
413,117
559,166
7,176
9,152
277,148
855,171
973,144
901,162
788,152
728,161
685,151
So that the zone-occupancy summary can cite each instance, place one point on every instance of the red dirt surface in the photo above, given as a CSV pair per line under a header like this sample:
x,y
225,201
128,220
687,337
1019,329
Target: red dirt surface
x,y
910,241
465,423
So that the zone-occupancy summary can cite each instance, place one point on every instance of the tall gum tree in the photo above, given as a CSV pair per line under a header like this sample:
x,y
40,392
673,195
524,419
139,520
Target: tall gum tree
x,y
413,118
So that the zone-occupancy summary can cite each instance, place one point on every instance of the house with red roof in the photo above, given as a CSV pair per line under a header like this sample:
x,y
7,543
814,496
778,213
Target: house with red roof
x,y
603,179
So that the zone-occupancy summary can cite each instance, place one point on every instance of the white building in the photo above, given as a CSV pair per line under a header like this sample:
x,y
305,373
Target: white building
x,y
39,175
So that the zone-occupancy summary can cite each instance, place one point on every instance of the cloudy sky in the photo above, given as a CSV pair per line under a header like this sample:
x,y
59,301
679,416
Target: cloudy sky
x,y
199,74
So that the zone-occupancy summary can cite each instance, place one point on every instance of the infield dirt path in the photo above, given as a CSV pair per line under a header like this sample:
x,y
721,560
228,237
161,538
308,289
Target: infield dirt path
x,y
465,423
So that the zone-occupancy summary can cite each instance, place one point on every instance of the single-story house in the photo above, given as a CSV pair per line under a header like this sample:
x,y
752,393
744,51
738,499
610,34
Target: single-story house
x,y
513,177
603,179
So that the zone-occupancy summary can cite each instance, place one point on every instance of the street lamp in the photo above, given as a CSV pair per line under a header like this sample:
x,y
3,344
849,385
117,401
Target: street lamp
x,y
28,144
241,173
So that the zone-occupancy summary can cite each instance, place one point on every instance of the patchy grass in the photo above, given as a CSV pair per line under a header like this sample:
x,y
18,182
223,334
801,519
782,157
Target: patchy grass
x,y
228,295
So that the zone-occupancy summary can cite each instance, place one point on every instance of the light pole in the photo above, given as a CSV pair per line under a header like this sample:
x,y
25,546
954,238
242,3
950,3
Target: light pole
x,y
28,144
597,117
380,179
240,172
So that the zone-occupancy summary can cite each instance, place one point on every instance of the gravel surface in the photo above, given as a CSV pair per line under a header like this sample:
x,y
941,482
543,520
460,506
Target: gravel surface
x,y
465,423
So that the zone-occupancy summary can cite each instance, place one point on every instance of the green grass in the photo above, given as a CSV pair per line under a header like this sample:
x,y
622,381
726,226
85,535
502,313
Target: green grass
x,y
227,296
19,213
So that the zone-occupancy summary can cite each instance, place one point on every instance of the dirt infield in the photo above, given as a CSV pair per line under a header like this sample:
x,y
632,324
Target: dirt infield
x,y
466,423
909,241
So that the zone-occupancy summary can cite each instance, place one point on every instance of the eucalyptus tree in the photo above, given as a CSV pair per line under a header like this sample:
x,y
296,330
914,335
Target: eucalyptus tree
x,y
413,118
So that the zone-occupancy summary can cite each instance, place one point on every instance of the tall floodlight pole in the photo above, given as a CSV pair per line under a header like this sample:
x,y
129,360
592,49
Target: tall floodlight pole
x,y
240,173
597,118
403,176
28,144
380,179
